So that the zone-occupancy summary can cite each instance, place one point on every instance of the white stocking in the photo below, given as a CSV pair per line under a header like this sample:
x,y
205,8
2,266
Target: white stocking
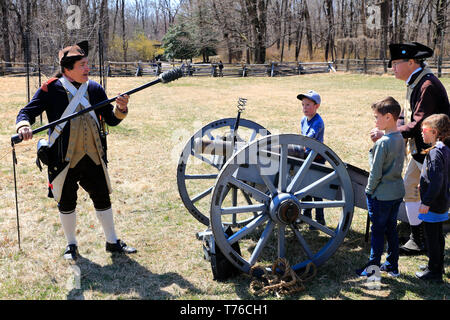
x,y
106,219
69,223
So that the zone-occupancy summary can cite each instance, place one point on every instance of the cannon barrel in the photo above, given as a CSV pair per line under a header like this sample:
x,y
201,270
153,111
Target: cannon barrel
x,y
226,147
213,147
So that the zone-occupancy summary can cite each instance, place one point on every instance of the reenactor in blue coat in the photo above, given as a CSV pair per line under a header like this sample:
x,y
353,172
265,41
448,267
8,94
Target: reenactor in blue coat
x,y
76,150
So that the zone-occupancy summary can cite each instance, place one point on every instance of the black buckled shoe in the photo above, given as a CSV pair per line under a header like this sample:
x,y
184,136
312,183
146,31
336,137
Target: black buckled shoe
x,y
71,252
416,242
428,275
424,267
120,247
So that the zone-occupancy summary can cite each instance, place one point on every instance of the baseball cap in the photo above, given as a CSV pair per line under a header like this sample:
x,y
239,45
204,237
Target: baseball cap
x,y
311,94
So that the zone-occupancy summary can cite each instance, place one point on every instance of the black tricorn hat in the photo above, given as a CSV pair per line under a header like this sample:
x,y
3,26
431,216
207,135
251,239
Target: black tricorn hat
x,y
412,50
80,49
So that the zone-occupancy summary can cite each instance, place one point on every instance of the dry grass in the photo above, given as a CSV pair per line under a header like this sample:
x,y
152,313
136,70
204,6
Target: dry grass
x,y
143,155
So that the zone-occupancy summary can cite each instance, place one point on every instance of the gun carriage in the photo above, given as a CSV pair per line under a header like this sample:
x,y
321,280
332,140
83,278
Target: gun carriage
x,y
256,190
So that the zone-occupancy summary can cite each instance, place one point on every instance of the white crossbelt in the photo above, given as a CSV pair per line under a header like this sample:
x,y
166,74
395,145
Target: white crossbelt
x,y
79,97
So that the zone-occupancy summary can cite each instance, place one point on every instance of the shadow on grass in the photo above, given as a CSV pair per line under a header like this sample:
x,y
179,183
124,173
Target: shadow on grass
x,y
337,279
126,276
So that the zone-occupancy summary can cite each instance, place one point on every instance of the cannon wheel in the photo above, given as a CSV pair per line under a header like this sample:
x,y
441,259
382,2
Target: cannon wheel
x,y
282,205
196,173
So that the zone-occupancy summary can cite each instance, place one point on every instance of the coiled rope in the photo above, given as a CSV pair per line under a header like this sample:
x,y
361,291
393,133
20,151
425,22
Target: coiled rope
x,y
280,284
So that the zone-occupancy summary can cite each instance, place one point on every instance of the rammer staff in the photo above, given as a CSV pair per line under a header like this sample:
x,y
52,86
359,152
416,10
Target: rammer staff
x,y
165,77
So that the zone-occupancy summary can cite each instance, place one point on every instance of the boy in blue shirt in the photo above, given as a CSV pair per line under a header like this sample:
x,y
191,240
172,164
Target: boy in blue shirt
x,y
385,188
312,126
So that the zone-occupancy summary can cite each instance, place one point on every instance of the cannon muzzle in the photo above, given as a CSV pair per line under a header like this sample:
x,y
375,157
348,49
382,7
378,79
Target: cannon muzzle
x,y
213,147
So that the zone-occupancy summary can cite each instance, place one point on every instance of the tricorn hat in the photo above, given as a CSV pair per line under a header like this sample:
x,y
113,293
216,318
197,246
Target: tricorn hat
x,y
412,50
80,49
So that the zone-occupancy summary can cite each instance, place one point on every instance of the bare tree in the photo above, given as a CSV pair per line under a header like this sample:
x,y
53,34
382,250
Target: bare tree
x,y
440,24
419,10
18,11
329,47
223,14
284,14
124,37
298,30
308,29
6,54
257,13
116,12
385,13
244,28
104,26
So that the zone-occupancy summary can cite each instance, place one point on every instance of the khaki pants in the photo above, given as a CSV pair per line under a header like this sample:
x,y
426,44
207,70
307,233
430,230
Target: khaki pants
x,y
411,181
412,194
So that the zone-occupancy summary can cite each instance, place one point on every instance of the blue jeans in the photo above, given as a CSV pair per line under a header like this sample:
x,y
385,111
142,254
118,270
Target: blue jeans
x,y
319,211
383,215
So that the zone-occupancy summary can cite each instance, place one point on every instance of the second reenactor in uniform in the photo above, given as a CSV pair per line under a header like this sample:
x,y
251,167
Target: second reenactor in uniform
x,y
426,96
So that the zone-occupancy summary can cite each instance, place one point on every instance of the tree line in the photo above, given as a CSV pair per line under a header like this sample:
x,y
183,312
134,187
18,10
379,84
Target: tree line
x,y
250,31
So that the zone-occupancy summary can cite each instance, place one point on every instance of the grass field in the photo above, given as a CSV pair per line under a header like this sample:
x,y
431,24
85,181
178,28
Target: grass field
x,y
143,152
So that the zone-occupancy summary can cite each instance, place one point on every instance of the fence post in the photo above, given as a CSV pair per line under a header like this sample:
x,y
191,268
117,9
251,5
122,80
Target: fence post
x,y
365,65
108,69
213,70
300,68
244,70
439,66
347,65
384,66
138,70
158,68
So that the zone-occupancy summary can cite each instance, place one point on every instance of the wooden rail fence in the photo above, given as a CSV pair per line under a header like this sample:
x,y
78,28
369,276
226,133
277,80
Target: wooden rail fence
x,y
273,69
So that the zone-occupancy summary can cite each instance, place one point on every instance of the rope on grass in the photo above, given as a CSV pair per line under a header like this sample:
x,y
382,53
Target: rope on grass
x,y
287,283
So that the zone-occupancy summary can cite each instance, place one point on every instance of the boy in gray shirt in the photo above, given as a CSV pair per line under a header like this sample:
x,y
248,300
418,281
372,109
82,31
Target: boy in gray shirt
x,y
385,188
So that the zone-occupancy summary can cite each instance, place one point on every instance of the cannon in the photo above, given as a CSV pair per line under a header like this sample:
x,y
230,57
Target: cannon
x,y
256,200
204,155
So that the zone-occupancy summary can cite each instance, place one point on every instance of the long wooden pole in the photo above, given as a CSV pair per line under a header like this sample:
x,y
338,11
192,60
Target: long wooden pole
x,y
164,78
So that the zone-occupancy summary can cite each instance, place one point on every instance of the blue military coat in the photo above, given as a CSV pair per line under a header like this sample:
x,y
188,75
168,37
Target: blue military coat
x,y
52,99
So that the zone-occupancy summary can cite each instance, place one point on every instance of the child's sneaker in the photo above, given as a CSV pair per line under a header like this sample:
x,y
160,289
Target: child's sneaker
x,y
393,272
362,272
